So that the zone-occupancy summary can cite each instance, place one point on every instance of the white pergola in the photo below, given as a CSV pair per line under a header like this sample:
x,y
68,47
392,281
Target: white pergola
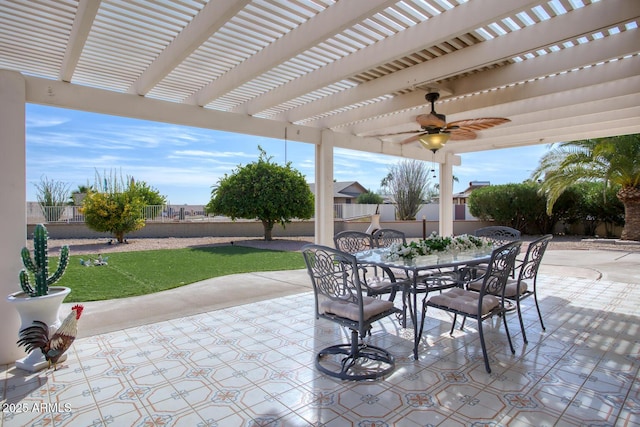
x,y
325,72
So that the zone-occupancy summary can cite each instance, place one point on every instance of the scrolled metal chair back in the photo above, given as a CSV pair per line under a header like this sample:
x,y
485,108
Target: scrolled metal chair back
x,y
500,266
535,251
332,274
386,237
353,241
498,235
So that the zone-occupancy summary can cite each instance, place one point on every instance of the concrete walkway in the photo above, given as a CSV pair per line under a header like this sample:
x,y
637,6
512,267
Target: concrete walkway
x,y
221,292
212,294
614,266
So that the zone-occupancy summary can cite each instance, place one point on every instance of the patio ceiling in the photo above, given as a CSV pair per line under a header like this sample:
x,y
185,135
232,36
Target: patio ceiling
x,y
560,70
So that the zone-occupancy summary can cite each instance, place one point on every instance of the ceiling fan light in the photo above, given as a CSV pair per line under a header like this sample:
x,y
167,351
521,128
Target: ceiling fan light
x,y
434,141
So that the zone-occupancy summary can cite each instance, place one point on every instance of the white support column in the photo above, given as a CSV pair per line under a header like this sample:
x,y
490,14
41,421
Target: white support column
x,y
324,229
446,197
14,214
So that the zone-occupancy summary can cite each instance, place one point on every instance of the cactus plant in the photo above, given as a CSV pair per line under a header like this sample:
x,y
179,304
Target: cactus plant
x,y
39,265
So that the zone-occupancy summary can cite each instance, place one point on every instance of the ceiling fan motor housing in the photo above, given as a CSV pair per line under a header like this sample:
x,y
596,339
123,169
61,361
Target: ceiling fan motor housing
x,y
432,97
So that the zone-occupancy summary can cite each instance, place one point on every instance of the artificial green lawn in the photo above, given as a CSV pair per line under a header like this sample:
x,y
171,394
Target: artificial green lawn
x,y
138,273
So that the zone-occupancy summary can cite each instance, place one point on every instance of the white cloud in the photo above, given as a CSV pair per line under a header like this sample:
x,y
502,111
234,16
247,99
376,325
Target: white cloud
x,y
342,154
202,153
42,121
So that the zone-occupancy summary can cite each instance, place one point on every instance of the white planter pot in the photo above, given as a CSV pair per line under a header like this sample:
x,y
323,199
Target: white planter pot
x,y
45,309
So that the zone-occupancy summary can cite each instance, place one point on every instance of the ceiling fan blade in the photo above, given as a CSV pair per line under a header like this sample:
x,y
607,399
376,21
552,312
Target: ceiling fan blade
x,y
412,138
462,134
430,121
479,124
391,134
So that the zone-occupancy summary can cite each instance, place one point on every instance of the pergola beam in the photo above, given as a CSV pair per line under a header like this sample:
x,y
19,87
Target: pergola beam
x,y
209,20
83,98
331,21
460,20
543,34
87,10
580,56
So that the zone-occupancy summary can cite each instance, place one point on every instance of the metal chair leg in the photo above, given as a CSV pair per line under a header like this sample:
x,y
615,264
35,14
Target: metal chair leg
x,y
354,353
453,325
524,334
484,347
535,298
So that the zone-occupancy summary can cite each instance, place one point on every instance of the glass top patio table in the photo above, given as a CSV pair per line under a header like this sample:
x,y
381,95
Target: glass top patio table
x,y
381,257
414,266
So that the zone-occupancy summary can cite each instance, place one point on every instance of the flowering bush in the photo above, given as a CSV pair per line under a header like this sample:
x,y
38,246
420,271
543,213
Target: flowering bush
x,y
434,243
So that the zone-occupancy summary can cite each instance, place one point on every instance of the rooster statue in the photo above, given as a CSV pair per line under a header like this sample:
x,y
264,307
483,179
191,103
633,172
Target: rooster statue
x,y
37,336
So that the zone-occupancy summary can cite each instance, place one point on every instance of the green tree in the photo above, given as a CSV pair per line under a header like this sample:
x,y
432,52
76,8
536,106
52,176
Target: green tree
x,y
263,190
565,209
520,206
153,200
149,195
599,205
52,197
500,204
613,161
116,208
369,198
409,185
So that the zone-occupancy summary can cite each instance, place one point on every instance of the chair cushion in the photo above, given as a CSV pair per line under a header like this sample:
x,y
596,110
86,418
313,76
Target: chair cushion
x,y
372,307
464,301
510,291
399,273
377,283
512,288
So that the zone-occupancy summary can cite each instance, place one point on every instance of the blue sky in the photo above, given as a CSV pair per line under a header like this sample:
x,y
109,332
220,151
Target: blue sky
x,y
183,163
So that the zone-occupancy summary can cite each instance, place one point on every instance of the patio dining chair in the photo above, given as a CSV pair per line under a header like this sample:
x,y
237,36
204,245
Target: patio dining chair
x,y
526,283
385,237
486,303
376,280
498,235
340,298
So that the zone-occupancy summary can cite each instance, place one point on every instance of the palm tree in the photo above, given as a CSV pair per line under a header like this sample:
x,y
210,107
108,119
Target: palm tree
x,y
614,161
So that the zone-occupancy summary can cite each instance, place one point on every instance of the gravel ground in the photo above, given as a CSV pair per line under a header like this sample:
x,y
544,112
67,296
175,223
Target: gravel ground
x,y
102,246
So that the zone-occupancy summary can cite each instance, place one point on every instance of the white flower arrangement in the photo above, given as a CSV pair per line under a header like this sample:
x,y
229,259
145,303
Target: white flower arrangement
x,y
434,244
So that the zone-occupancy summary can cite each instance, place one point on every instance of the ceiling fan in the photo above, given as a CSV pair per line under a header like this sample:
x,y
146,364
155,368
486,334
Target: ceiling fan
x,y
435,131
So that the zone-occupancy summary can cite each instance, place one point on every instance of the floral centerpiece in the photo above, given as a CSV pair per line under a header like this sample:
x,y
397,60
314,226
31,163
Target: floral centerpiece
x,y
434,244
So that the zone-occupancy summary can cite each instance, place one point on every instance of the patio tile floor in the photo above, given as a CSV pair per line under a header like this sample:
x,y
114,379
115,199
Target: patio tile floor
x,y
253,365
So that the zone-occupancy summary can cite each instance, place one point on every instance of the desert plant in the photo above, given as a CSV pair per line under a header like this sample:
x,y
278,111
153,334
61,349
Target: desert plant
x,y
39,265
409,186
115,207
52,197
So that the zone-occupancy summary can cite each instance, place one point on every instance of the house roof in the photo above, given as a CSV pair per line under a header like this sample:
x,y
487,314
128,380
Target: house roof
x,y
559,69
472,186
344,189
